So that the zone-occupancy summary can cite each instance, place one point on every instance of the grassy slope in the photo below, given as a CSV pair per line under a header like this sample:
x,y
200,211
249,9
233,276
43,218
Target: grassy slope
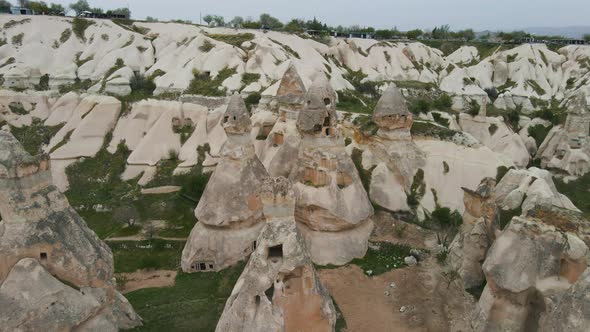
x,y
194,303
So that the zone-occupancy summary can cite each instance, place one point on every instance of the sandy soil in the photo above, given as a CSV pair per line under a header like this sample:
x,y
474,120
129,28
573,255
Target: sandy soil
x,y
145,279
417,298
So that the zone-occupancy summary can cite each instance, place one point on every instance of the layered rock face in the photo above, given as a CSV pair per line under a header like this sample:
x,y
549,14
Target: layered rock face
x,y
568,147
230,212
279,290
45,247
529,268
469,248
332,205
398,158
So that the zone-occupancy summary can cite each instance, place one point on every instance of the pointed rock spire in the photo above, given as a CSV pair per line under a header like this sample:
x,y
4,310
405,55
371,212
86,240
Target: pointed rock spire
x,y
291,89
321,91
236,119
391,111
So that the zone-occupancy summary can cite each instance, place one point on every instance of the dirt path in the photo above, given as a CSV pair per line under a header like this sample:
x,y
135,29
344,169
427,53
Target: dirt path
x,y
145,279
143,238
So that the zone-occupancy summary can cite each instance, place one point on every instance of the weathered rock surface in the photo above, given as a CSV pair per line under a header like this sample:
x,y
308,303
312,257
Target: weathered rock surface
x,y
44,247
531,263
568,147
279,289
572,312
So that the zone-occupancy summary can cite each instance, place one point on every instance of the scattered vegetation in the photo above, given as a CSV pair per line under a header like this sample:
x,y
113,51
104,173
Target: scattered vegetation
x,y
507,215
204,84
81,62
252,100
492,129
578,191
17,40
385,257
13,23
17,107
207,46
539,132
173,308
249,78
365,175
438,118
417,190
79,26
366,125
236,40
43,83
33,137
78,85
420,128
65,35
536,87
474,108
500,172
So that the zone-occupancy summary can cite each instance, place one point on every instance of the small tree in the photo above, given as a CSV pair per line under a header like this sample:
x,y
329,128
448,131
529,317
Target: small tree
x,y
414,34
151,19
587,37
122,11
208,19
237,22
219,21
56,9
4,6
80,6
270,22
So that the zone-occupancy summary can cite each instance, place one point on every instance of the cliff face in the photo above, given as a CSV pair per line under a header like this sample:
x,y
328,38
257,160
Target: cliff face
x,y
45,247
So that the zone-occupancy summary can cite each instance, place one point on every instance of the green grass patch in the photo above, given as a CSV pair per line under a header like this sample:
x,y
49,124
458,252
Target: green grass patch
x,y
207,46
78,86
431,130
154,254
13,23
539,132
33,137
352,101
508,85
536,87
65,35
249,78
387,257
79,26
578,192
194,303
17,40
235,40
204,84
415,85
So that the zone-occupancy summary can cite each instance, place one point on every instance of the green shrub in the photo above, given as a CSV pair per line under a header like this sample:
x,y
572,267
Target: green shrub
x,y
207,46
438,118
420,106
474,108
500,172
512,118
104,37
65,35
249,78
365,175
203,84
17,108
444,217
43,83
443,103
446,168
536,87
539,132
578,191
33,137
511,57
355,102
252,100
492,129
78,86
17,40
387,257
9,61
417,190
428,129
